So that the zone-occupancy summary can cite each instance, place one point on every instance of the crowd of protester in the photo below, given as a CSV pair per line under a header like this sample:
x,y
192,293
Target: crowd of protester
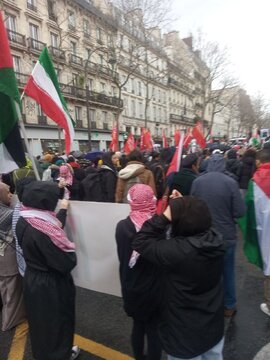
x,y
176,263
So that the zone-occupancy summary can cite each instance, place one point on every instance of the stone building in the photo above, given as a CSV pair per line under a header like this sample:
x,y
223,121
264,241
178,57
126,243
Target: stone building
x,y
110,69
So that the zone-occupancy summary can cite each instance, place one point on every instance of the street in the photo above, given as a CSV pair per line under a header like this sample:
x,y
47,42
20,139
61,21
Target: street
x,y
103,329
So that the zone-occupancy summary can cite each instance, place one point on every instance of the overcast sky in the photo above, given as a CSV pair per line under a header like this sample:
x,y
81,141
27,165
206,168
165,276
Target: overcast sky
x,y
241,25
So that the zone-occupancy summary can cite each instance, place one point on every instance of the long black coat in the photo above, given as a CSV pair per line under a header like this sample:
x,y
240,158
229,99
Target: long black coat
x,y
141,285
192,319
49,293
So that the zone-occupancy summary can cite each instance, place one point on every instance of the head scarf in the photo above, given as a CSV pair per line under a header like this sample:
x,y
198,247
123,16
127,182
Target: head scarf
x,y
39,200
65,173
142,201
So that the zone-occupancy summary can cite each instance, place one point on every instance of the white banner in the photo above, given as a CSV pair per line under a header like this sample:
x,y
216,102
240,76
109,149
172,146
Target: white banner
x,y
91,225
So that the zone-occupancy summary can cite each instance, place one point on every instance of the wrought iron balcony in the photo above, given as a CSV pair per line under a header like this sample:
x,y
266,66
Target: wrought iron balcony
x,y
93,96
79,123
35,44
15,37
93,125
56,52
42,120
100,69
74,59
175,118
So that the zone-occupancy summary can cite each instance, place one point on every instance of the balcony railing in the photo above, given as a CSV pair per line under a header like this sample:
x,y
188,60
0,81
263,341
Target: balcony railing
x,y
175,118
31,7
100,69
74,59
42,120
35,44
15,37
93,96
56,52
79,123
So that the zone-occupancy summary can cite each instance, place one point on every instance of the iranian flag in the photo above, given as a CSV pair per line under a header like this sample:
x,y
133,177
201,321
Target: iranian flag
x,y
11,149
255,225
43,86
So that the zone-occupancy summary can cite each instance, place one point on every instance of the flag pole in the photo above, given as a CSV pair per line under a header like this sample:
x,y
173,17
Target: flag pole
x,y
27,145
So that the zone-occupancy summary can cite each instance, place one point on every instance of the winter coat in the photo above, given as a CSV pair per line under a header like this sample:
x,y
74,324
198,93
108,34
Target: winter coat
x,y
191,320
232,165
246,170
182,181
133,169
49,292
141,285
222,196
109,179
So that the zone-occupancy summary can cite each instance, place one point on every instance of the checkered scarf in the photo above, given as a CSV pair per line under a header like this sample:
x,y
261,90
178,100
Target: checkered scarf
x,y
46,222
142,201
6,235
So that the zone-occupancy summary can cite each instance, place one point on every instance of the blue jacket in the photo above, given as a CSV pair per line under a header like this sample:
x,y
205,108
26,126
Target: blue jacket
x,y
222,195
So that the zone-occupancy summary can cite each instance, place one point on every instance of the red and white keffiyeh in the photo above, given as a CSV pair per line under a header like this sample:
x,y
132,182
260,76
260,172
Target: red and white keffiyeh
x,y
143,202
46,222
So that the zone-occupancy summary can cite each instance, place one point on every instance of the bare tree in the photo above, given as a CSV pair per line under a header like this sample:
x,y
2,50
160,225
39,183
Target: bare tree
x,y
140,21
261,111
212,63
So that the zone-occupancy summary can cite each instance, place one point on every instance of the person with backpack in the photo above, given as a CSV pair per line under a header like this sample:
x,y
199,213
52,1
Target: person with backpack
x,y
133,173
100,183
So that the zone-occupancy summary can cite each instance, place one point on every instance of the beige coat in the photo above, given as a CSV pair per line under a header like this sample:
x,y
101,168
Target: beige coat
x,y
133,169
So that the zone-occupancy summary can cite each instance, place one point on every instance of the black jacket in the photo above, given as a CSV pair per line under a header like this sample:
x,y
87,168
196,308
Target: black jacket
x,y
141,285
192,319
246,170
49,293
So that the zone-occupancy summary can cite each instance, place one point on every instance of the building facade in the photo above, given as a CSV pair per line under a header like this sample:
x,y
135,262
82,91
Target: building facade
x,y
111,70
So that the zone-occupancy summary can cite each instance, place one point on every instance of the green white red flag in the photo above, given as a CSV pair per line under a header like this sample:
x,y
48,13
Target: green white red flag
x,y
255,224
11,149
43,86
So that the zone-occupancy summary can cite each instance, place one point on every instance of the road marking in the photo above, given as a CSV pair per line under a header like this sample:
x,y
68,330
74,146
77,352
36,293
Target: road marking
x,y
100,350
18,343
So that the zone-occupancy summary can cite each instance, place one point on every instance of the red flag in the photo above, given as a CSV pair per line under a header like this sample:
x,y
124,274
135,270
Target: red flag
x,y
114,142
188,138
146,140
129,144
198,135
176,160
164,139
176,137
142,138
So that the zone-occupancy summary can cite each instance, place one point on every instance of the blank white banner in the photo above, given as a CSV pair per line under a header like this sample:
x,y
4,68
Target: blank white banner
x,y
91,225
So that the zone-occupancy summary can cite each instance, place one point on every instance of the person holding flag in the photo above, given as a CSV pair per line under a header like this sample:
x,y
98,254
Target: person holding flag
x,y
255,224
11,149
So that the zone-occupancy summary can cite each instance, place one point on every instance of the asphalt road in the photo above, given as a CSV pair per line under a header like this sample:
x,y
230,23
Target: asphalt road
x,y
101,319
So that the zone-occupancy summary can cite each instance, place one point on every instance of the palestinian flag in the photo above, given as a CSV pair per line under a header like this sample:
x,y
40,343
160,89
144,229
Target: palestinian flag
x,y
11,149
255,225
43,86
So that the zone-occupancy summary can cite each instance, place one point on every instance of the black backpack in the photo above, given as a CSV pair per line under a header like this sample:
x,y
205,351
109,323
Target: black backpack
x,y
93,186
